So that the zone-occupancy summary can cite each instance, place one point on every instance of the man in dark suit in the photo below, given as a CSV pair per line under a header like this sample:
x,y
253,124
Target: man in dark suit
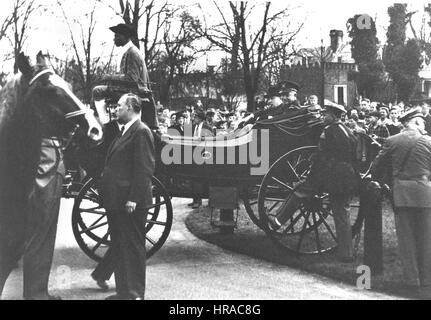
x,y
408,154
104,270
126,185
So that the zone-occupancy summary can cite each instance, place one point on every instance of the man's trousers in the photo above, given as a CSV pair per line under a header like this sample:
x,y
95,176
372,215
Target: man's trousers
x,y
128,251
413,226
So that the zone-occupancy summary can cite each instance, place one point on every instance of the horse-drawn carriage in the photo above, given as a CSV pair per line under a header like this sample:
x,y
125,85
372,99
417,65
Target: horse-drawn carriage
x,y
262,162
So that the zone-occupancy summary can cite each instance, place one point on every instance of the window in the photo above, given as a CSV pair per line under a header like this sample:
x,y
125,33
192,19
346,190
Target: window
x,y
340,94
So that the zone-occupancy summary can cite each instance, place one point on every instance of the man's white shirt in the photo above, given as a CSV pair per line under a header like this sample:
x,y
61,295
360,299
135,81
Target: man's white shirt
x,y
129,124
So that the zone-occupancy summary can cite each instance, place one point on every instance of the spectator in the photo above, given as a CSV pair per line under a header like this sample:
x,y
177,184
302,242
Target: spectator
x,y
394,126
208,127
313,106
377,129
373,106
198,122
365,106
178,127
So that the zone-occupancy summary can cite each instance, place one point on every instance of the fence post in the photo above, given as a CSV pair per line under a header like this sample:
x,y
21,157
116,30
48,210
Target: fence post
x,y
373,231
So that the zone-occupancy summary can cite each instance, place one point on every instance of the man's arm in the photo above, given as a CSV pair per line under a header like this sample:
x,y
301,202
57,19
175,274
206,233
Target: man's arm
x,y
382,161
143,164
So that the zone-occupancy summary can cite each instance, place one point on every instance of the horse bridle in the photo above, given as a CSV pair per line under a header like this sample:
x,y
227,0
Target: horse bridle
x,y
69,115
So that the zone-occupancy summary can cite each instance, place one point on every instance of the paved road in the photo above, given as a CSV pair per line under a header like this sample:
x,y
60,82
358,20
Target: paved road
x,y
188,268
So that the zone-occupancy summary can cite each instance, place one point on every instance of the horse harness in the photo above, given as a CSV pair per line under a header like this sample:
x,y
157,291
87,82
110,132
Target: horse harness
x,y
48,165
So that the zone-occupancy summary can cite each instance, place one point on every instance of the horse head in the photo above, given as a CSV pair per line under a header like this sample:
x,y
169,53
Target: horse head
x,y
52,101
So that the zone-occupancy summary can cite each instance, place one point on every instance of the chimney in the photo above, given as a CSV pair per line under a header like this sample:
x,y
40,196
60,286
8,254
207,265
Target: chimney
x,y
336,39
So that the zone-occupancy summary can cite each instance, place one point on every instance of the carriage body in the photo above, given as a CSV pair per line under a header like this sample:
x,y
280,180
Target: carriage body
x,y
263,163
240,159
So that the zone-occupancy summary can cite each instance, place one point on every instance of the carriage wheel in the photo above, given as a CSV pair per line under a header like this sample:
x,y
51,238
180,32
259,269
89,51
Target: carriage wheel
x,y
309,226
250,200
90,224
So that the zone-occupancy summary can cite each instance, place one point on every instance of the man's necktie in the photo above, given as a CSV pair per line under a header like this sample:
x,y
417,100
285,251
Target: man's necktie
x,y
121,131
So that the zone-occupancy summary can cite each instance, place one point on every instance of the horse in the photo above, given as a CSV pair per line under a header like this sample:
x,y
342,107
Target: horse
x,y
38,112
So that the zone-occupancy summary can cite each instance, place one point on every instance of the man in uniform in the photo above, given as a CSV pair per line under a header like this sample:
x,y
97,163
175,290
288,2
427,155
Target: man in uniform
x,y
409,155
332,172
283,97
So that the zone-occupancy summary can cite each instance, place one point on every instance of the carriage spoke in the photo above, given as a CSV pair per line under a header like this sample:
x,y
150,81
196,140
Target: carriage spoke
x,y
316,231
94,191
97,221
160,223
93,227
282,183
157,205
273,206
294,171
94,211
294,221
298,160
275,199
328,227
99,243
150,240
302,233
253,203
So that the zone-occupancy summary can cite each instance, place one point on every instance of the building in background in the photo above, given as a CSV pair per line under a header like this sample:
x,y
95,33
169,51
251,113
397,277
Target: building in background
x,y
306,70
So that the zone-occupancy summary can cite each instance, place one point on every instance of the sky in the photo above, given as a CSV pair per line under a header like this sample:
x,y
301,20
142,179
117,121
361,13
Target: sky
x,y
319,17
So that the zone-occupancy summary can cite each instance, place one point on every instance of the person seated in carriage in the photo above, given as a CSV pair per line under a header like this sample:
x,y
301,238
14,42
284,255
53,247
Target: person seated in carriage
x,y
313,106
283,98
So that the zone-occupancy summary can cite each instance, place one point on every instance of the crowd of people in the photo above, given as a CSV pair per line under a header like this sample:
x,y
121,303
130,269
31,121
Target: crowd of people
x,y
379,120
210,122
376,119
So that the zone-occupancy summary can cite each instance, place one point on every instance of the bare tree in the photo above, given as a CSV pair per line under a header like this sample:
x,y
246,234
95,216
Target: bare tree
x,y
19,19
248,35
87,65
7,22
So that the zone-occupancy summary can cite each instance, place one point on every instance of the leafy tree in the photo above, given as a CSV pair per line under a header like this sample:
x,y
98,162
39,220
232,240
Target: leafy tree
x,y
364,44
402,58
179,51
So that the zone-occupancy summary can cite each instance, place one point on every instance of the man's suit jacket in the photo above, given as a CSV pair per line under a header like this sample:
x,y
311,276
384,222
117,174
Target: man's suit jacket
x,y
134,68
417,168
129,168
